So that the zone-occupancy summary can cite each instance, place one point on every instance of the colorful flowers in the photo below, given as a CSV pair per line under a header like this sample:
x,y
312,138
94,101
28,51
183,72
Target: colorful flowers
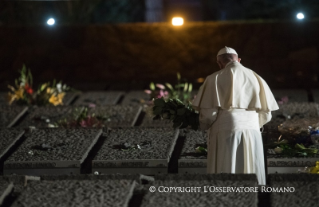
x,y
57,99
181,91
47,94
283,100
82,118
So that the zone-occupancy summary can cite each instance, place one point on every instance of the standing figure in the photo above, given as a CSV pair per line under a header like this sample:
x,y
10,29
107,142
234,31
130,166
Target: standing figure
x,y
234,103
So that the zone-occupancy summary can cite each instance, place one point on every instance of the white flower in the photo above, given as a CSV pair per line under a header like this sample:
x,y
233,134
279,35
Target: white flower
x,y
278,150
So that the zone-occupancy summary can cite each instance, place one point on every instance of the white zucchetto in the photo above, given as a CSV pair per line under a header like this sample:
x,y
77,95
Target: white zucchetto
x,y
226,50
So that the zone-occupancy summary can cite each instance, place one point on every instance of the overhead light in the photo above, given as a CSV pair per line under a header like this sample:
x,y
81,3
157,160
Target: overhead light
x,y
300,15
51,21
177,21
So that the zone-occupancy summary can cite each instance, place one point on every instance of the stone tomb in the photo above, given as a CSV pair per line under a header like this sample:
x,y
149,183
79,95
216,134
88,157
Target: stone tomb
x,y
9,115
140,150
202,190
149,122
158,123
41,117
191,161
300,190
277,164
135,98
69,97
77,193
52,151
19,182
5,190
8,138
117,116
99,98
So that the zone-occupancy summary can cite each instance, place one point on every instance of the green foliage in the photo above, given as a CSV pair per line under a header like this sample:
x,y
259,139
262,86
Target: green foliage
x,y
201,149
46,94
291,150
182,90
182,115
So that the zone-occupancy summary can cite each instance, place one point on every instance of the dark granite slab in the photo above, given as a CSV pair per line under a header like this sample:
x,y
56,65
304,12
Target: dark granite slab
x,y
305,189
160,123
69,97
155,147
77,193
99,98
135,98
41,117
5,190
8,137
9,115
190,160
117,116
50,151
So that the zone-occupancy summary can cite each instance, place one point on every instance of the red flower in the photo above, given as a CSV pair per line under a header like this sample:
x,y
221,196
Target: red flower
x,y
28,89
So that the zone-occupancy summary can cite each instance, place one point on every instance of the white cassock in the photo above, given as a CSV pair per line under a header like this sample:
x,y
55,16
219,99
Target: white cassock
x,y
234,103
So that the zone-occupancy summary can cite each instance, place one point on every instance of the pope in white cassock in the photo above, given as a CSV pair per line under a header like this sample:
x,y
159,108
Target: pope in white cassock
x,y
234,103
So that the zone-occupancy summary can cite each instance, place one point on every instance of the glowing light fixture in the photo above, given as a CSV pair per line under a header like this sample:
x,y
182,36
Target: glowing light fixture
x,y
300,16
51,21
177,21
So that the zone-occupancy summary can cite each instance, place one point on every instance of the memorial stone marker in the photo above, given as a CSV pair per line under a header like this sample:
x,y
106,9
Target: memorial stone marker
x,y
8,138
99,98
77,193
135,98
41,117
52,151
192,161
294,190
279,164
9,115
69,97
5,190
135,150
117,116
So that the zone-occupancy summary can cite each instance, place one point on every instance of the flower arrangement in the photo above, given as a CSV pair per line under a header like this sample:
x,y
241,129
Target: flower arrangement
x,y
23,92
287,149
82,118
182,115
182,90
283,100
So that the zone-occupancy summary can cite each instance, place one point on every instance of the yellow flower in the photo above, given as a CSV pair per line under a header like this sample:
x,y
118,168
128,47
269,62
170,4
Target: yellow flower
x,y
50,90
19,93
11,97
57,99
16,95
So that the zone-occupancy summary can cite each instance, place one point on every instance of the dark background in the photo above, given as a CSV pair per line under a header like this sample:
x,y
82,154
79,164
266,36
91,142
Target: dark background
x,y
131,42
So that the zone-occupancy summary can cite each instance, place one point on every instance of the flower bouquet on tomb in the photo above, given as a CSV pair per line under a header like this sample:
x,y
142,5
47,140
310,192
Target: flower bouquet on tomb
x,y
81,118
23,92
299,137
181,91
182,115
